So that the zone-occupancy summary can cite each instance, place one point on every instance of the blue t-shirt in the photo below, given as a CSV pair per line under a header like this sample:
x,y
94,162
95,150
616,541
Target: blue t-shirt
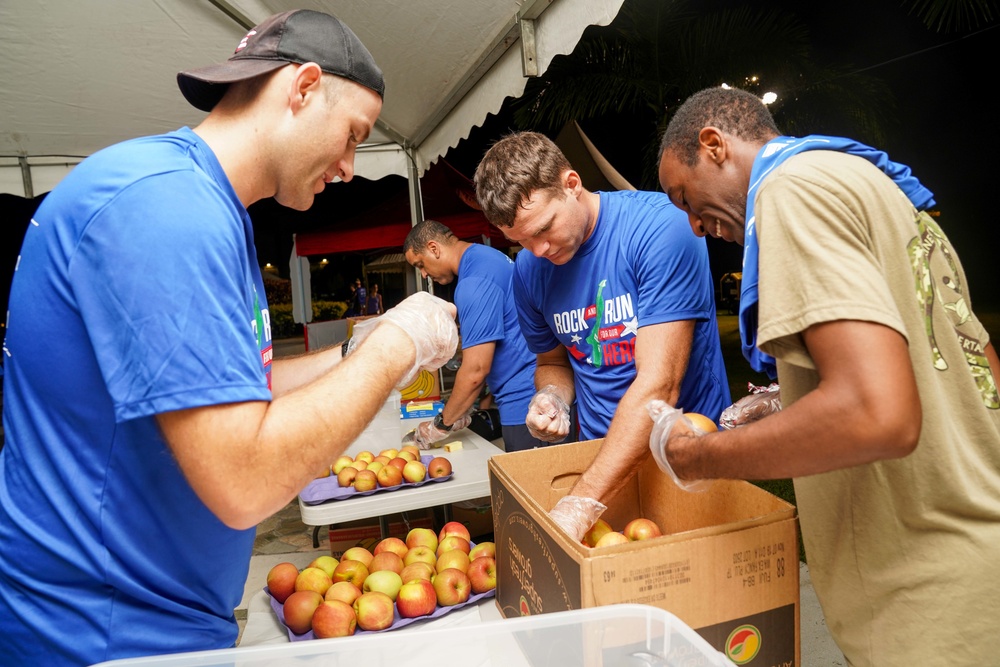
x,y
486,314
642,265
137,292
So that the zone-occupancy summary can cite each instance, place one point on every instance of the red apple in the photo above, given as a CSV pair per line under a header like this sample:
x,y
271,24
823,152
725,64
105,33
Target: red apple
x,y
389,453
334,618
341,463
414,472
359,554
383,581
375,611
611,538
358,465
351,570
452,542
420,554
483,574
439,467
365,480
408,455
398,462
451,587
417,570
483,549
281,580
386,561
326,563
641,529
422,537
455,558
412,449
384,460
313,579
416,598
346,476
596,532
344,591
453,528
299,609
393,544
389,476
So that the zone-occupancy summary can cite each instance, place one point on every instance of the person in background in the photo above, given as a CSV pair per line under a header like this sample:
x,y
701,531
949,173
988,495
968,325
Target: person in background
x,y
148,429
617,302
374,302
493,349
359,298
890,424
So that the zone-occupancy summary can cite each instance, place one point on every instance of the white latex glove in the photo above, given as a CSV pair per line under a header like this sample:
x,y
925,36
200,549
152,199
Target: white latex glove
x,y
427,433
576,514
664,417
548,416
430,324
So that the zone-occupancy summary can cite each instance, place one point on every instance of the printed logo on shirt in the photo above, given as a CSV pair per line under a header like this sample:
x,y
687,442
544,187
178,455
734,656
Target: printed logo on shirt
x,y
261,324
611,326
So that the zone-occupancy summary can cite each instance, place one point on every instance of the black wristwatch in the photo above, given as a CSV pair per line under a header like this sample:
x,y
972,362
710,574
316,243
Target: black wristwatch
x,y
439,422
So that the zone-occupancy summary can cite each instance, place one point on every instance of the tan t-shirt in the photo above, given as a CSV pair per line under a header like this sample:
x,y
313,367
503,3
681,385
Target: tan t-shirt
x,y
904,554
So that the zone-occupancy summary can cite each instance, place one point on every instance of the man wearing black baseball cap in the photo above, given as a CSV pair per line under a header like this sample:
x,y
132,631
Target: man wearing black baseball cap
x,y
148,430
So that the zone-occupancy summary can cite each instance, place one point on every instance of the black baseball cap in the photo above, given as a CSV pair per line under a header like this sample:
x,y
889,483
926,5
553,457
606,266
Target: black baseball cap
x,y
298,36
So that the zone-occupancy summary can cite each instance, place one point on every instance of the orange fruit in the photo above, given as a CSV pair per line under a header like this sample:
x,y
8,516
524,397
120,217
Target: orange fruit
x,y
701,422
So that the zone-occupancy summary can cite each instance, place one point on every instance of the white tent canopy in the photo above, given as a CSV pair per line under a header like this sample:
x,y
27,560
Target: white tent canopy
x,y
79,75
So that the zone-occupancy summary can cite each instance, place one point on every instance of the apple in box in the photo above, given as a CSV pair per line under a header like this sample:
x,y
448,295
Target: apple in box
x,y
281,581
641,529
483,549
596,532
452,587
375,610
612,538
416,598
334,618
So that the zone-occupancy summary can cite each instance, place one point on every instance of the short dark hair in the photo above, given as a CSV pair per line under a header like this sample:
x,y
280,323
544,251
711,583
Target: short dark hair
x,y
513,169
732,110
424,232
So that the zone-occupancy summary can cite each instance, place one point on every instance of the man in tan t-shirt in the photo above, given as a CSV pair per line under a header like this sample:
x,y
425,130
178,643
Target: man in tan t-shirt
x,y
891,419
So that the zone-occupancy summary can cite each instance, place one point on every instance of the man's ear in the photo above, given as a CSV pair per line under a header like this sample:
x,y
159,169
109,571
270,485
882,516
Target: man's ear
x,y
713,143
306,84
572,182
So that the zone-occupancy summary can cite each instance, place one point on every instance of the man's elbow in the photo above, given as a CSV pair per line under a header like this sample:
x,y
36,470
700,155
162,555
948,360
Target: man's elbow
x,y
901,434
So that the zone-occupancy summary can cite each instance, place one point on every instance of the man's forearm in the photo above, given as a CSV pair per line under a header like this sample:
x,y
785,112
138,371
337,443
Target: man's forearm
x,y
468,384
558,376
290,373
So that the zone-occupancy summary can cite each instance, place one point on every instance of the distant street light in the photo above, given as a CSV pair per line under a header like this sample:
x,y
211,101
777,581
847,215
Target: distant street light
x,y
769,98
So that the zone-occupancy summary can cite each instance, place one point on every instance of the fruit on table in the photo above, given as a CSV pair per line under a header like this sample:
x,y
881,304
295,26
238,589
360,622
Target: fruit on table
x,y
346,476
412,449
596,532
420,554
281,580
416,598
482,574
299,609
453,528
641,529
451,542
366,480
326,563
439,466
389,476
422,537
455,558
483,549
375,610
344,591
417,570
393,544
341,463
334,618
351,570
359,554
383,581
313,579
451,587
386,560
413,472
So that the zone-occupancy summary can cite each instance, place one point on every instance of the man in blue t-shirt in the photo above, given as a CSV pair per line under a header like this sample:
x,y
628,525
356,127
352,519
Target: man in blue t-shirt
x,y
148,430
493,349
617,301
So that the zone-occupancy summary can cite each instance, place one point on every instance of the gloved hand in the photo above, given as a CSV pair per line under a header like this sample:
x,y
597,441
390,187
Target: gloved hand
x,y
427,433
761,402
430,324
664,417
548,416
576,514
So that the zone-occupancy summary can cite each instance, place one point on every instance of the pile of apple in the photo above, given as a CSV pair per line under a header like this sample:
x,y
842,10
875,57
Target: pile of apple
x,y
392,467
363,589
601,534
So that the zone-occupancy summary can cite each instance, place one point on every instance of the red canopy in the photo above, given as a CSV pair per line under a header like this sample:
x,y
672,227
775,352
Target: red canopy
x,y
448,197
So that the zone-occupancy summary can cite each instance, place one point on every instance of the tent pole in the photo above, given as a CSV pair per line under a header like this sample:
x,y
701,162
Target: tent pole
x,y
416,208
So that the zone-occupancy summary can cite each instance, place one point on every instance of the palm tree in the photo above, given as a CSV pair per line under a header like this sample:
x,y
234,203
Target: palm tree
x,y
953,15
656,53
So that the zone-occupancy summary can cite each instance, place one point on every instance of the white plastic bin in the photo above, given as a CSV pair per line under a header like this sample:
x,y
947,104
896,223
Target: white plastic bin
x,y
625,635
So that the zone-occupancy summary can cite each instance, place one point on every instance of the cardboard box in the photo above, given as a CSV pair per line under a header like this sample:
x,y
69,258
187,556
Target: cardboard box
x,y
476,515
727,564
367,532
